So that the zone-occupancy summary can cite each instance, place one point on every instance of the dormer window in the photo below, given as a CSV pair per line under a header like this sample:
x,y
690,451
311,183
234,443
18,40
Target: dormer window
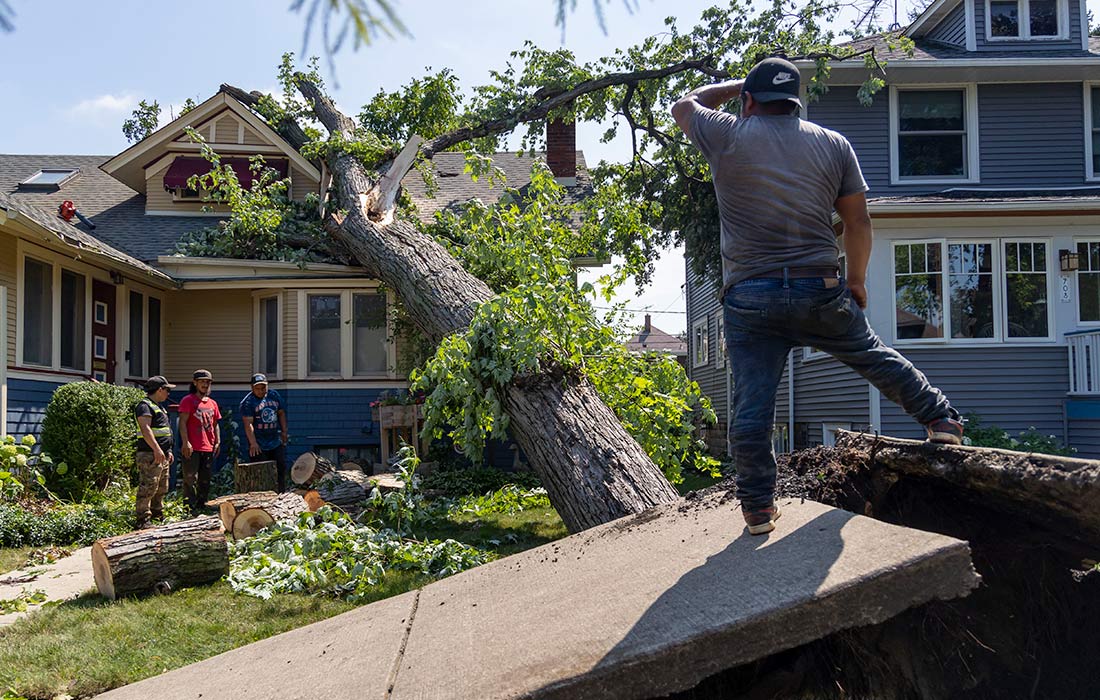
x,y
1025,19
50,178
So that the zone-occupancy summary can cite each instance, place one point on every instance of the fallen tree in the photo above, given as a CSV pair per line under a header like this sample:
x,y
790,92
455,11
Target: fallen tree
x,y
161,559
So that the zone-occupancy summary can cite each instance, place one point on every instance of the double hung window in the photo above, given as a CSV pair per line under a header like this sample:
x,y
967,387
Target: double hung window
x,y
700,342
971,291
55,314
934,133
347,334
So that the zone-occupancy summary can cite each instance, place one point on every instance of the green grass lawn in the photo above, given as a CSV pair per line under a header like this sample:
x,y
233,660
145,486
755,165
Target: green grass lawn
x,y
91,645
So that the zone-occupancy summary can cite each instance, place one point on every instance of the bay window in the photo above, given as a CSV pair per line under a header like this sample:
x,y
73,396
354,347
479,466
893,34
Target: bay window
x,y
989,290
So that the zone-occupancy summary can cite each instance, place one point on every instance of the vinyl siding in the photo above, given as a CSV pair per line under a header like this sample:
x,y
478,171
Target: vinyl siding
x,y
251,137
225,129
301,185
1031,135
1073,43
1013,388
27,402
290,334
826,391
952,29
159,199
1084,436
8,278
210,329
702,302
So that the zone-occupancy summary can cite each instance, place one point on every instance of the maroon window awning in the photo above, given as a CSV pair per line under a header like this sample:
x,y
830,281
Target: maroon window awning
x,y
183,168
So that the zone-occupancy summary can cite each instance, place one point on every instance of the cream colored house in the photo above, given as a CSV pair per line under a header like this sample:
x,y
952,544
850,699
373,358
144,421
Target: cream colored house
x,y
105,297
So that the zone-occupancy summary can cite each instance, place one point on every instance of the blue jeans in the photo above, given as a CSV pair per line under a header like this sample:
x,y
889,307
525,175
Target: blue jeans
x,y
764,319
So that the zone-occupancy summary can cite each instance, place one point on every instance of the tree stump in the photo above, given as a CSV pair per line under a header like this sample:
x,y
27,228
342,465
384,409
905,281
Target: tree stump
x,y
255,476
161,559
252,519
310,467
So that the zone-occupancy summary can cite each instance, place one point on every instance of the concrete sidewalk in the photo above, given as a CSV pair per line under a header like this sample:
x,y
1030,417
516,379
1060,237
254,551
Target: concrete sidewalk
x,y
66,578
637,608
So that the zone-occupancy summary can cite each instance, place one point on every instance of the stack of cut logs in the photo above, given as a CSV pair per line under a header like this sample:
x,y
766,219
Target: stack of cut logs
x,y
195,551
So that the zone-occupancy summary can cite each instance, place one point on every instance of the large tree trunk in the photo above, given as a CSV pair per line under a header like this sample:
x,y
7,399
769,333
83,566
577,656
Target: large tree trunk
x,y
161,559
346,488
1062,492
593,470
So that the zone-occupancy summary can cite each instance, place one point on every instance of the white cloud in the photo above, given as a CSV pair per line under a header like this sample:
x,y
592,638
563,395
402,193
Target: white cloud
x,y
103,107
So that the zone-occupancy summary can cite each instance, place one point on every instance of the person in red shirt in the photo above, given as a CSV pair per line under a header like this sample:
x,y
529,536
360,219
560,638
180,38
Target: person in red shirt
x,y
200,439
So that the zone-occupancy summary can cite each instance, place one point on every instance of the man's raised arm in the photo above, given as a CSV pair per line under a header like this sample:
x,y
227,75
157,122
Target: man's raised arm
x,y
708,96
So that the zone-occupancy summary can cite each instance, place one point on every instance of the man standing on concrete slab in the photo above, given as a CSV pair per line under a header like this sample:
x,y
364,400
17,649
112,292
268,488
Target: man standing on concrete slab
x,y
264,417
778,179
153,452
200,439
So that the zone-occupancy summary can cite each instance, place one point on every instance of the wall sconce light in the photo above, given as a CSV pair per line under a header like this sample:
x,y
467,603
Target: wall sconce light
x,y
116,277
1068,260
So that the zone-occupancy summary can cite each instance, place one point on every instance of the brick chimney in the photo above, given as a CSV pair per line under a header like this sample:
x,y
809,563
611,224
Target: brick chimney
x,y
561,150
648,324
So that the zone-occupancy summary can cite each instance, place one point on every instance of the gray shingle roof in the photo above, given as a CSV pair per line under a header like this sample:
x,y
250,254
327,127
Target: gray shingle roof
x,y
933,50
656,340
117,211
455,186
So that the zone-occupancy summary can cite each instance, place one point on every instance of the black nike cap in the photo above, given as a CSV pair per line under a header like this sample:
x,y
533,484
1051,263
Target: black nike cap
x,y
772,80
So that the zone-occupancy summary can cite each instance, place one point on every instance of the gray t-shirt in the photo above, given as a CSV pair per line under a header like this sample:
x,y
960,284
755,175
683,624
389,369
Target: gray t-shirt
x,y
776,178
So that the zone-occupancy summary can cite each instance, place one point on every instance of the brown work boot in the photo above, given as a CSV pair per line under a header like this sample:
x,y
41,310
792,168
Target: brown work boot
x,y
760,519
945,431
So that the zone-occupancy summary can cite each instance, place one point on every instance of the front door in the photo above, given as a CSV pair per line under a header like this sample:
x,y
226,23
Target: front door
x,y
103,331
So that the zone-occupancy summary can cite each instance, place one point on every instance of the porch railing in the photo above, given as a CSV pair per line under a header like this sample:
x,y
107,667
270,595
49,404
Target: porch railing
x,y
1084,362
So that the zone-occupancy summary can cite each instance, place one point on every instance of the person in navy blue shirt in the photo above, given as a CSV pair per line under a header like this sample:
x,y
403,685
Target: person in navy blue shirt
x,y
264,417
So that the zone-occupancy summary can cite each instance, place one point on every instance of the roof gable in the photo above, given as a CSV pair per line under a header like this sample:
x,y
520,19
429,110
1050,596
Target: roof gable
x,y
930,18
250,134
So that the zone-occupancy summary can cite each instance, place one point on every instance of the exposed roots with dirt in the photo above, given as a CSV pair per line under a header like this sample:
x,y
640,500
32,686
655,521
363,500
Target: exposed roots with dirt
x,y
1031,630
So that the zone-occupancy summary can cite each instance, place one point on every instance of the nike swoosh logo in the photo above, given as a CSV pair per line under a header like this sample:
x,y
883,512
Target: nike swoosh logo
x,y
782,78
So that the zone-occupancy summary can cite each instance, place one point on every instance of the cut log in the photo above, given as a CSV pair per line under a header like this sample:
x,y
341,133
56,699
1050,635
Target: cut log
x,y
252,519
347,488
234,497
230,506
161,559
593,470
309,468
1053,490
255,476
312,498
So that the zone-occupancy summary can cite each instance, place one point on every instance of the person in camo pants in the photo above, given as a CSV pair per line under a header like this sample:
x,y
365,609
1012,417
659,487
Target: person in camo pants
x,y
152,451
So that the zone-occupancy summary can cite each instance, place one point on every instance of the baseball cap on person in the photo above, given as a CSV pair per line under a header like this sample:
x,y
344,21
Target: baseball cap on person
x,y
772,80
258,379
157,382
202,374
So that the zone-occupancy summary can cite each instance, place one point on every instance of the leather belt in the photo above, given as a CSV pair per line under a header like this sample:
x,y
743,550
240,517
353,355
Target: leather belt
x,y
800,272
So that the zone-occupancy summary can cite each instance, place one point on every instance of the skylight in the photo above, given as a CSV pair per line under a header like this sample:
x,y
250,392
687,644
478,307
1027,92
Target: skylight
x,y
50,177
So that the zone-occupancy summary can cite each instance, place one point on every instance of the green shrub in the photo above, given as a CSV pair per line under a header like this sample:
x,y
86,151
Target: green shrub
x,y
90,427
78,524
1030,440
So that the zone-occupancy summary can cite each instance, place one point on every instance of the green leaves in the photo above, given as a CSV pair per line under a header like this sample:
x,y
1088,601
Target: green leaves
x,y
142,122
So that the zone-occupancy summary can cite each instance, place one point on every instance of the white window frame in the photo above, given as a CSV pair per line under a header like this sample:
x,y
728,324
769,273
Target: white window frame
x,y
1000,283
346,332
97,342
972,153
1077,285
56,263
97,306
720,339
1090,172
828,431
1024,13
258,297
146,293
700,342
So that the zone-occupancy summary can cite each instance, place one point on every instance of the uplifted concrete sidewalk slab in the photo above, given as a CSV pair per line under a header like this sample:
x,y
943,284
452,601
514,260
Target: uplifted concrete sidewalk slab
x,y
637,608
64,579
